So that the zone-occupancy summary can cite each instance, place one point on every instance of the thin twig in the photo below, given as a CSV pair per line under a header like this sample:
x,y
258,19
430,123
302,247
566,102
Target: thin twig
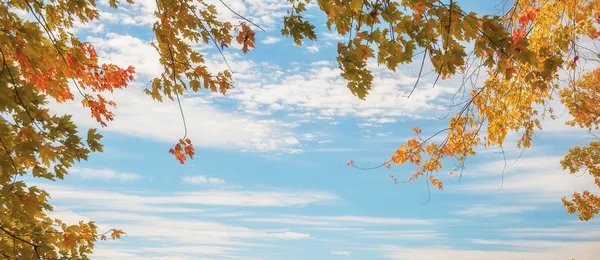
x,y
241,16
35,247
420,71
8,153
214,41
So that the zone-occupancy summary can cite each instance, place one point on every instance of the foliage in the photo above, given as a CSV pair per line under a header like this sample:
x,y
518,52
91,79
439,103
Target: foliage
x,y
39,61
523,52
42,59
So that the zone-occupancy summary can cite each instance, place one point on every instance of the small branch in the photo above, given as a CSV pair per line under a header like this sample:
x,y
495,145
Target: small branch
x,y
35,247
388,160
420,71
53,40
428,190
241,16
449,26
214,41
177,95
175,83
12,162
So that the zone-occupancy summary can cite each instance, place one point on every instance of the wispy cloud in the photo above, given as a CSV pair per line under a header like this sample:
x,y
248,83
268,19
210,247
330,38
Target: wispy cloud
x,y
571,232
341,252
402,234
492,210
104,174
320,90
271,40
534,179
201,179
89,197
538,250
332,221
332,36
264,12
312,48
217,127
193,236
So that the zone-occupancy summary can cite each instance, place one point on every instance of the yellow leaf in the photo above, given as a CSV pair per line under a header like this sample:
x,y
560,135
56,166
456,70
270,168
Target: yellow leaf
x,y
356,5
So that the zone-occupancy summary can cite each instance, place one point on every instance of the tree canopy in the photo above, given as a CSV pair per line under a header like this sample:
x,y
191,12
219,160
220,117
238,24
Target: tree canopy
x,y
531,55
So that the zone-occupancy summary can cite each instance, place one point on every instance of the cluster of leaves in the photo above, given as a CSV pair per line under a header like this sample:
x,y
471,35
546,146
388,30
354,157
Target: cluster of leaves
x,y
42,60
179,24
523,51
582,99
182,150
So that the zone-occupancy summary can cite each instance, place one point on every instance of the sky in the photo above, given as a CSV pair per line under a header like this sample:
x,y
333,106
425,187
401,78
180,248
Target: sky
x,y
270,180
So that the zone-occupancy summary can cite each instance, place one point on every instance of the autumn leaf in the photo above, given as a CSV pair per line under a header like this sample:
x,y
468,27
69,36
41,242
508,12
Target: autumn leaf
x,y
523,55
245,37
116,233
182,150
419,8
355,5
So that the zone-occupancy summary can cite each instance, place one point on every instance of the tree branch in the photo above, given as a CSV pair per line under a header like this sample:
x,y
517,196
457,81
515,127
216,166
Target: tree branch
x,y
14,236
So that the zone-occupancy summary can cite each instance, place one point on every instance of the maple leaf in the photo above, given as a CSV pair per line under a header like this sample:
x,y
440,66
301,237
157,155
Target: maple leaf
x,y
245,37
116,233
523,65
182,150
419,8
517,35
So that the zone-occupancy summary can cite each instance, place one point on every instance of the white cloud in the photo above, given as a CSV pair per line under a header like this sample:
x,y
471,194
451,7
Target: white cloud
x,y
125,50
127,201
104,174
98,29
579,231
276,106
193,236
68,216
401,234
492,210
182,235
271,40
542,250
321,63
339,220
291,235
291,140
264,12
320,91
332,36
140,116
312,48
308,137
201,179
341,252
382,120
535,178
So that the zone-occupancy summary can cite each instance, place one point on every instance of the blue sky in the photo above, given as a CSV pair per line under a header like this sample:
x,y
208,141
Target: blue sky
x,y
269,180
